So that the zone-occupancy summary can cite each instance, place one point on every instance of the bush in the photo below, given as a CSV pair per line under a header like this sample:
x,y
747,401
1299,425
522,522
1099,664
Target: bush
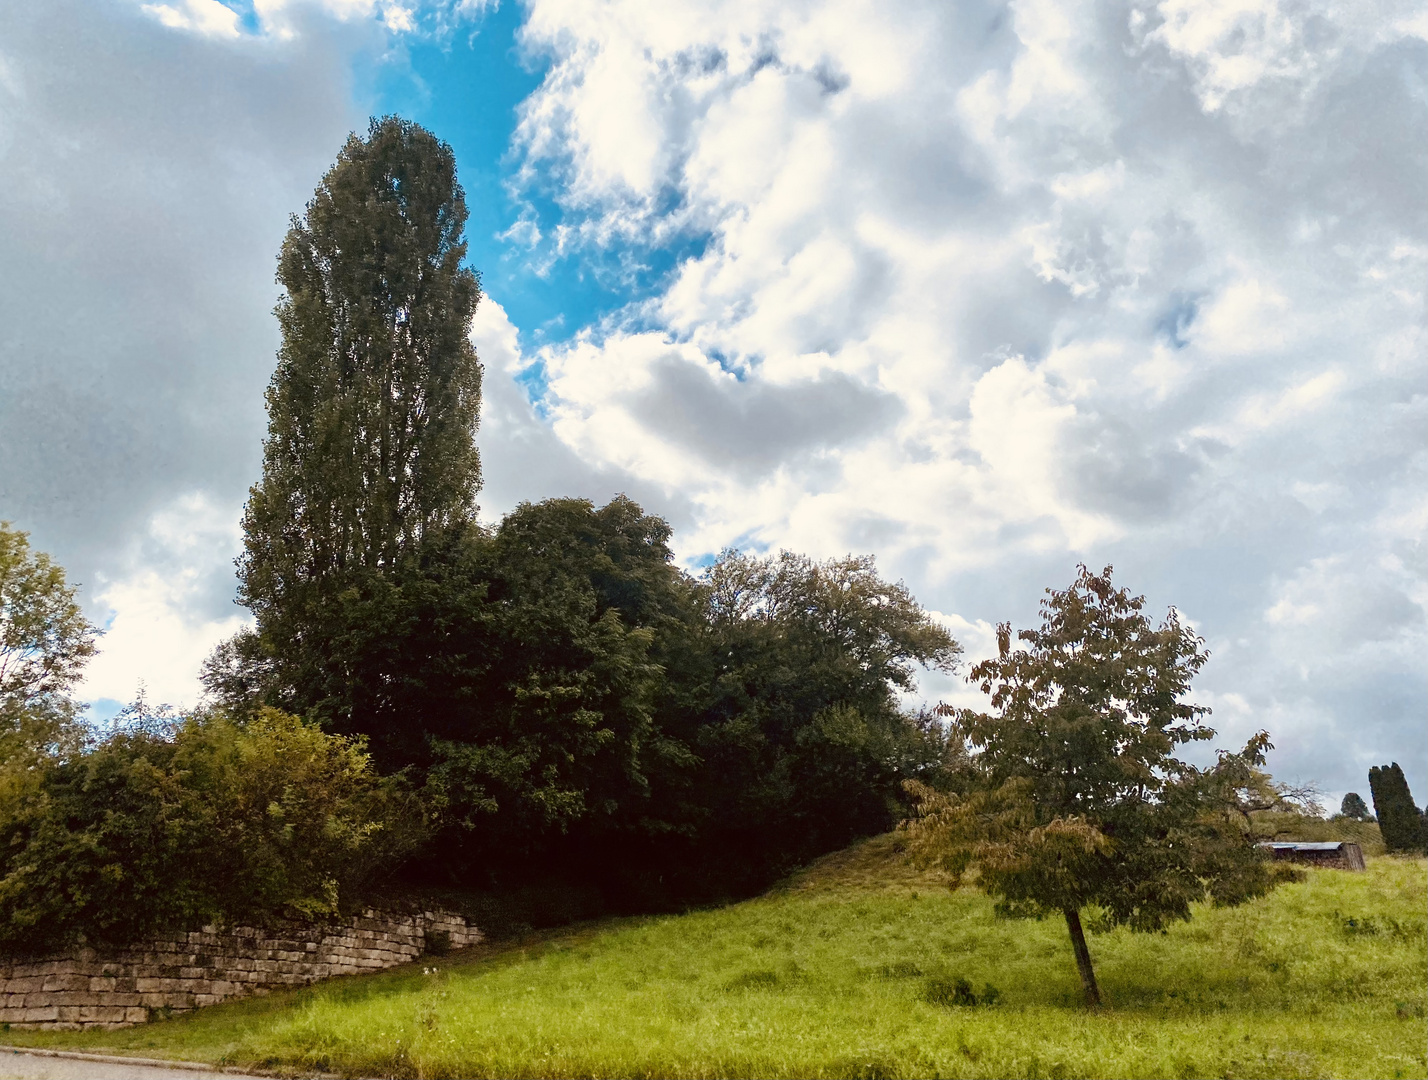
x,y
957,991
166,825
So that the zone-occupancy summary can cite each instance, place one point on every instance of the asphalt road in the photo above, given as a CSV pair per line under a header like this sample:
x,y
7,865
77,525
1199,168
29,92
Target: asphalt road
x,y
20,1065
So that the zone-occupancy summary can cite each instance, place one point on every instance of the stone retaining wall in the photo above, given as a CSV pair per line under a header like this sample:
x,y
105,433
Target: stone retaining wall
x,y
179,972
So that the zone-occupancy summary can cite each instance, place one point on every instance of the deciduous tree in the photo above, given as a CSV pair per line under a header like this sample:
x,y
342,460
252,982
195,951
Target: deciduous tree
x,y
370,457
45,641
1073,796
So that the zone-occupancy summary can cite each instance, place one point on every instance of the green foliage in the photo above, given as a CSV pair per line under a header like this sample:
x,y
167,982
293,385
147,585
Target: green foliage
x,y
560,692
45,642
1354,808
566,697
786,695
1400,821
1074,796
557,724
953,990
369,459
171,823
1273,988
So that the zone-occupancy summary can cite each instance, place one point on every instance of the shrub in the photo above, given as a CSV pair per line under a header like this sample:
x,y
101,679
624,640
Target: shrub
x,y
172,824
957,991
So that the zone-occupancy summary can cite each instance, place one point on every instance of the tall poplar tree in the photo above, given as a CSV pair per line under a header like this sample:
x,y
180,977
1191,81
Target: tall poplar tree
x,y
370,458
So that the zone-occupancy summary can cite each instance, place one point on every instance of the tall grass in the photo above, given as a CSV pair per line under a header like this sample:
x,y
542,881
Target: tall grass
x,y
861,969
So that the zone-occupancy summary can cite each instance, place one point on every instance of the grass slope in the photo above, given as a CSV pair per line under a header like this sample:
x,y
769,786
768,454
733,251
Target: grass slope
x,y
831,976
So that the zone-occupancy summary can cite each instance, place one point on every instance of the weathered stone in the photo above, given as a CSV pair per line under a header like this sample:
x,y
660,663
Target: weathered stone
x,y
177,972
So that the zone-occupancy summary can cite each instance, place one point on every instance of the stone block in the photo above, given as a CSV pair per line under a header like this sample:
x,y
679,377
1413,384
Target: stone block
x,y
92,1014
109,1018
68,998
41,1014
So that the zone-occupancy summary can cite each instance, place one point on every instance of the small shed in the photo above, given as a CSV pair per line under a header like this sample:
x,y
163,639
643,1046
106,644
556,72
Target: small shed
x,y
1335,854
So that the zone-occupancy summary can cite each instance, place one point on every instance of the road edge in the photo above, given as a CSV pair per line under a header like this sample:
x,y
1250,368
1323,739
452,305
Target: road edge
x,y
120,1059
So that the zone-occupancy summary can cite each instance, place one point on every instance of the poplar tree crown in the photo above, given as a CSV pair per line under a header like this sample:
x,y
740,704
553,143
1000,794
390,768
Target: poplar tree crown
x,y
372,411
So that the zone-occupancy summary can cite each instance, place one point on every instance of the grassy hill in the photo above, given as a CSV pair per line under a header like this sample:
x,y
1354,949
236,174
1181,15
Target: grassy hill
x,y
852,969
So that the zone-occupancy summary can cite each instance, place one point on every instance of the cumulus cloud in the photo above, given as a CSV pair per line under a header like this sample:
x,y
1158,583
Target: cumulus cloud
x,y
150,169
165,611
1113,281
984,288
522,457
207,17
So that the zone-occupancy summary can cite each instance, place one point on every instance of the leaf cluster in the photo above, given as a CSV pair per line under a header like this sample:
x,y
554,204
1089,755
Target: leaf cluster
x,y
564,694
45,642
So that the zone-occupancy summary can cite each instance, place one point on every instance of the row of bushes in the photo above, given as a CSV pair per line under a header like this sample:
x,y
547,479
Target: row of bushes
x,y
548,718
179,821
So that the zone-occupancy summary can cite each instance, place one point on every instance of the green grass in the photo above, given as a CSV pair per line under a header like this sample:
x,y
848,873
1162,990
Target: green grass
x,y
852,970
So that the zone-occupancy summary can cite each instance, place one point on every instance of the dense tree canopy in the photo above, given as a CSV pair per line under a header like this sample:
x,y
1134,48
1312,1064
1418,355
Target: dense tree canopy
x,y
370,457
1071,796
565,695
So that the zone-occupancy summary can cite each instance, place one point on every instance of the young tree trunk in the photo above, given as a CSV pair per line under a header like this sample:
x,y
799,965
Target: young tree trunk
x,y
1083,957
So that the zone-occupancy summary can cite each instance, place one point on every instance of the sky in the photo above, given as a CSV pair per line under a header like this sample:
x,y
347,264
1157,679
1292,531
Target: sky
x,y
983,289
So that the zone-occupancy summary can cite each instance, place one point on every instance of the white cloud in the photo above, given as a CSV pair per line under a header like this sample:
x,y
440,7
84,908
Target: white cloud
x,y
156,633
985,288
283,20
1131,283
206,17
149,175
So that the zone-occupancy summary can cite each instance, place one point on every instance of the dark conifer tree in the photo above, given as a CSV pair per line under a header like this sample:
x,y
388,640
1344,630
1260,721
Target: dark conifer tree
x,y
370,461
1354,807
1399,818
